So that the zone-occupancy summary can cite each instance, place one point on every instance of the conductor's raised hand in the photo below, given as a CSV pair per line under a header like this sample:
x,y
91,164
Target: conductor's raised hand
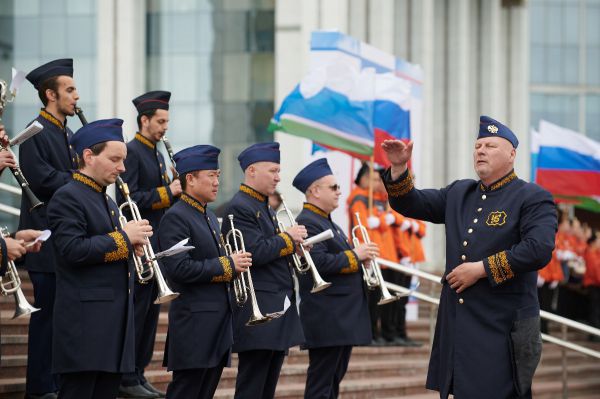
x,y
398,153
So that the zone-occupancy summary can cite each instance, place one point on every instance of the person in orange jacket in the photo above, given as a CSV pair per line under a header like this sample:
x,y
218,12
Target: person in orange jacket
x,y
377,221
591,280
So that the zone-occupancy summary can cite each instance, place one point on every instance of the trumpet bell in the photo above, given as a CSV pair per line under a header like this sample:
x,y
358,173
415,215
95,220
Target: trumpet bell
x,y
258,319
166,297
388,299
320,286
22,308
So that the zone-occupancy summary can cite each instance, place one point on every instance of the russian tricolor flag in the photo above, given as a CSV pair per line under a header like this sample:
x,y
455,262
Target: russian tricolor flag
x,y
391,113
568,162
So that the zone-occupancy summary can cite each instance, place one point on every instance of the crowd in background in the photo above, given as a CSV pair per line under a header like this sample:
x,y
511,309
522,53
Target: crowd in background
x,y
570,284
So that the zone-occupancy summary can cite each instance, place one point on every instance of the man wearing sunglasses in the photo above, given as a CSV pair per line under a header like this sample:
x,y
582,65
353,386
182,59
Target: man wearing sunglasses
x,y
343,306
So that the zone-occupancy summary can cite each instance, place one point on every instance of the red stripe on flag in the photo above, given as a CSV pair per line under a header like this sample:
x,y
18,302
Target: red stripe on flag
x,y
569,182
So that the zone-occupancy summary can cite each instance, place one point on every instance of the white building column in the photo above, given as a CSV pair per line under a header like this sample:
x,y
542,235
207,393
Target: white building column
x,y
121,53
518,84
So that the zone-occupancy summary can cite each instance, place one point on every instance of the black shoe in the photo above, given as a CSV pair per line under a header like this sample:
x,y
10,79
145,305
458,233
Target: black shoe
x,y
412,343
153,389
398,341
49,395
378,342
136,391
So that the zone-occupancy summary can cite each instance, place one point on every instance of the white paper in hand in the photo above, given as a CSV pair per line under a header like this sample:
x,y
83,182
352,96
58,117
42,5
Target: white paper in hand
x,y
286,306
41,238
27,133
175,249
18,77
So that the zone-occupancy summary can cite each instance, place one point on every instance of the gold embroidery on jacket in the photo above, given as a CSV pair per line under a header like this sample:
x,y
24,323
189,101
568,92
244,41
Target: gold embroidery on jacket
x,y
122,252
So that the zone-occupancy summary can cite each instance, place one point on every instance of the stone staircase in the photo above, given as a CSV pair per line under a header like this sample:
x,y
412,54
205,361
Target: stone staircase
x,y
374,372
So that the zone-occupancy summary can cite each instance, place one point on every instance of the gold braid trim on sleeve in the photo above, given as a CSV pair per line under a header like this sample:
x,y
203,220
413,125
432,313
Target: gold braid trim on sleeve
x,y
400,189
352,263
289,245
227,271
122,252
164,199
500,268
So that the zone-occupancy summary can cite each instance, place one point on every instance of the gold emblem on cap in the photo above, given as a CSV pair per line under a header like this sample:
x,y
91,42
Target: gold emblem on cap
x,y
492,129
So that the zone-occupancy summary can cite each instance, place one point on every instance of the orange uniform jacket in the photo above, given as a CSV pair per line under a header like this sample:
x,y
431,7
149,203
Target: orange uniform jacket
x,y
592,267
358,201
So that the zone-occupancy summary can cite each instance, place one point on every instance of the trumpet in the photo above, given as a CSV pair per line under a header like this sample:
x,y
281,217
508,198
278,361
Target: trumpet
x,y
12,285
148,269
302,266
372,272
242,284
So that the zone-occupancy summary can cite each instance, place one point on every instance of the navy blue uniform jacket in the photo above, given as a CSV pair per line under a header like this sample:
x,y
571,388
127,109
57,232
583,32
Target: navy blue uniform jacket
x,y
3,257
46,161
93,310
200,319
343,306
487,338
271,274
146,175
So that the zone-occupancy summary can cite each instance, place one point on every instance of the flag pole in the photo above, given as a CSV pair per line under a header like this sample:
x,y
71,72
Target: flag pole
x,y
371,170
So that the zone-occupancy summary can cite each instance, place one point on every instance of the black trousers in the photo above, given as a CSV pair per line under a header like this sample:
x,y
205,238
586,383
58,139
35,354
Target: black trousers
x,y
196,383
258,373
389,312
403,280
326,370
594,305
545,297
89,385
39,350
146,321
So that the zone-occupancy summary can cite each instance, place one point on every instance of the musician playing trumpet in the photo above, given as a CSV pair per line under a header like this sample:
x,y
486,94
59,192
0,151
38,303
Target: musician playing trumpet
x,y
93,343
12,248
200,321
46,161
153,192
342,307
262,348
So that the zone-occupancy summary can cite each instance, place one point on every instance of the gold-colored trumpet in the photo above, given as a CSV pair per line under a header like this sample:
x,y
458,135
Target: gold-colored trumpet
x,y
11,284
147,268
243,286
372,271
302,266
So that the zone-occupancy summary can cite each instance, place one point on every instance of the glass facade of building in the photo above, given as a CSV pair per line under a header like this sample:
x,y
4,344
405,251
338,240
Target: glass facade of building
x,y
33,32
565,64
217,59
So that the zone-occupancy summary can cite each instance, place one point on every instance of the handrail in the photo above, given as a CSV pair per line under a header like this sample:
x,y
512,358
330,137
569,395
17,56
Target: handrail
x,y
546,315
10,188
10,210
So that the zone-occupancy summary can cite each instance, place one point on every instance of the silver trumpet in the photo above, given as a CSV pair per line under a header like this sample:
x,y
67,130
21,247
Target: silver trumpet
x,y
11,284
242,284
302,266
372,271
146,269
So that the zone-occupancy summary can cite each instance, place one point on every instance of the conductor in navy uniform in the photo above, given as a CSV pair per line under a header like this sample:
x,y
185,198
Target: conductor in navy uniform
x,y
47,161
262,348
200,320
343,306
499,231
93,342
153,192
